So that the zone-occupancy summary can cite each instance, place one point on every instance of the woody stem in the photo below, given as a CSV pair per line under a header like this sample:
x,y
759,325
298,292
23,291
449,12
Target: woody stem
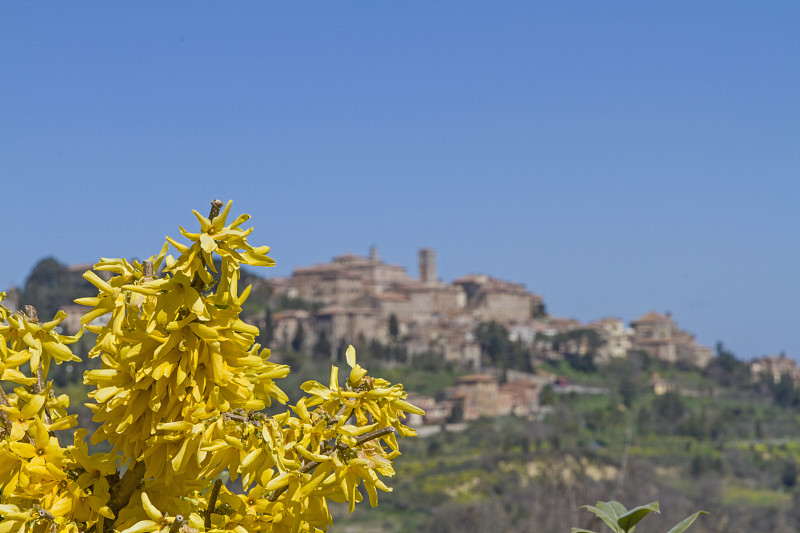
x,y
212,502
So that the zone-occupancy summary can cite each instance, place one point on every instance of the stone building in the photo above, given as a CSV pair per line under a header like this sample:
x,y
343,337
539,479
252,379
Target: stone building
x,y
659,336
345,279
617,339
518,397
340,322
775,366
388,303
477,395
430,300
358,296
326,284
493,299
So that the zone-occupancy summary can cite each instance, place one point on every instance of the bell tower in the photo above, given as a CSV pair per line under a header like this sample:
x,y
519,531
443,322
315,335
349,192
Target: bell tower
x,y
427,265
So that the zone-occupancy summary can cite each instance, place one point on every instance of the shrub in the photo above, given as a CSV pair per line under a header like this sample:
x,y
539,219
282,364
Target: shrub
x,y
181,397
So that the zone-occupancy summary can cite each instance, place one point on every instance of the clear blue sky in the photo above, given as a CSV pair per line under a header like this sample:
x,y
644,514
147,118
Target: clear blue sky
x,y
616,157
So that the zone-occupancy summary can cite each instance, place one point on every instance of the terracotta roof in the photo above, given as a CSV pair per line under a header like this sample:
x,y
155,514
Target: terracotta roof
x,y
352,258
517,384
344,310
298,314
318,268
651,317
489,284
564,322
335,309
606,320
473,278
390,296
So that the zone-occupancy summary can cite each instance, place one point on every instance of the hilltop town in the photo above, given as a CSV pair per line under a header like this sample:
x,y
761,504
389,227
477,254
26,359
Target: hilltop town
x,y
365,301
358,297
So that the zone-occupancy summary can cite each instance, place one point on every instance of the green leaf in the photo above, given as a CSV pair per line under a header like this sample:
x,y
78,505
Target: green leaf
x,y
579,530
682,526
613,508
629,520
607,513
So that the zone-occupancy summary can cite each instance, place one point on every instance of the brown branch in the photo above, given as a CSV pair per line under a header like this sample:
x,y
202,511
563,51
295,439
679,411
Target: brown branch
x,y
122,490
40,382
44,514
40,387
176,524
335,419
374,435
308,467
147,270
212,502
216,207
254,418
31,314
241,418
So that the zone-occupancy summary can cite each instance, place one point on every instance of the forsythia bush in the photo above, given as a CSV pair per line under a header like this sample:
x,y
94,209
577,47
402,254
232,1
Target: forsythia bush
x,y
180,397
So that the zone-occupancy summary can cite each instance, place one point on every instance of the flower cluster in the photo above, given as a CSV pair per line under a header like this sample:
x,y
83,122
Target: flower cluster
x,y
180,397
46,487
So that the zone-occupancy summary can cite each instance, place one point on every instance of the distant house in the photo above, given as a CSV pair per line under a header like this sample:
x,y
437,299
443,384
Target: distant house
x,y
661,386
519,397
477,395
775,366
617,339
659,336
491,299
340,322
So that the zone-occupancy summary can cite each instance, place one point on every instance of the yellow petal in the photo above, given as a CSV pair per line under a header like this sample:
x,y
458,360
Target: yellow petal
x,y
175,426
150,509
182,248
142,526
97,281
219,221
207,243
277,482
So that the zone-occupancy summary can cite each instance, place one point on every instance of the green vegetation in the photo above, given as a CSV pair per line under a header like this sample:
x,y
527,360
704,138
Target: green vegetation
x,y
731,450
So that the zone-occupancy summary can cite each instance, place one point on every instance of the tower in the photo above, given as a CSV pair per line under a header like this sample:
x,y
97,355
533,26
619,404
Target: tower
x,y
373,253
427,265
